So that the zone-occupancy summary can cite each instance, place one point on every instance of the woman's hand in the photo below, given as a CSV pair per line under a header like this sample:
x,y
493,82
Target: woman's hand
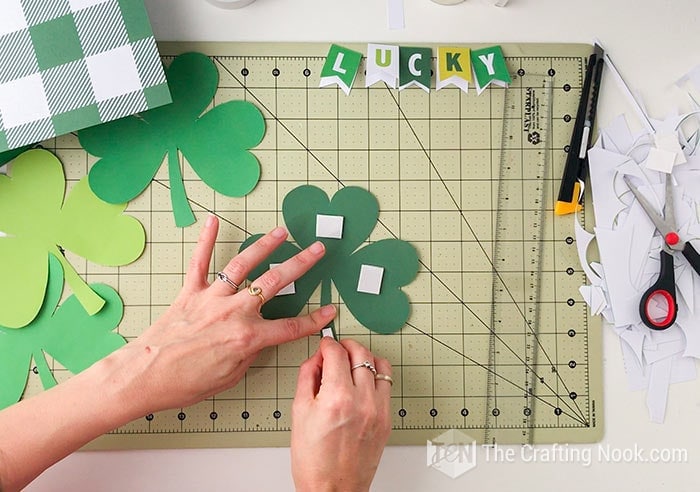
x,y
203,344
206,340
340,418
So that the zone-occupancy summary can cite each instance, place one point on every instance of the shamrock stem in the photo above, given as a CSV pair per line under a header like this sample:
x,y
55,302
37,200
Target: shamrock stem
x,y
178,197
87,297
326,299
45,374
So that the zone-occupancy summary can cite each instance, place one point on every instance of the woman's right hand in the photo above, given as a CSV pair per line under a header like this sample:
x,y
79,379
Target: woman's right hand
x,y
340,418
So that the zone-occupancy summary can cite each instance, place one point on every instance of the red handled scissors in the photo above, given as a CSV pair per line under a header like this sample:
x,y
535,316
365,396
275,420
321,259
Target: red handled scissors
x,y
664,288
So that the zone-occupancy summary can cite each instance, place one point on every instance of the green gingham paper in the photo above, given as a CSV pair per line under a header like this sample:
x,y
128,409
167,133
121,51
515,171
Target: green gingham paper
x,y
70,64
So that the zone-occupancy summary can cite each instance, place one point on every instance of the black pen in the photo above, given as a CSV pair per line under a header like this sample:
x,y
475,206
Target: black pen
x,y
576,168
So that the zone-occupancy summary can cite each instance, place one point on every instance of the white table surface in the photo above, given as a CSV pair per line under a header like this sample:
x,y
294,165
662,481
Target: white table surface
x,y
653,42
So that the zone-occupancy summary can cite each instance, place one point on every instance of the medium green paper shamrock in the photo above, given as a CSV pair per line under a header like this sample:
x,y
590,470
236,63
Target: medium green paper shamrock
x,y
385,312
36,222
66,332
215,143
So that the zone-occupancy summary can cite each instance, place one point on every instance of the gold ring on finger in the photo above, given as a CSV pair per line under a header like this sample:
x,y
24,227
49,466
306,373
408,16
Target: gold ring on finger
x,y
383,377
257,291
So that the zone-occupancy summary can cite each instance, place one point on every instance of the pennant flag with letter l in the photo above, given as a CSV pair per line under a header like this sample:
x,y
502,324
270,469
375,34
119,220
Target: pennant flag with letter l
x,y
414,67
382,64
454,67
340,68
490,67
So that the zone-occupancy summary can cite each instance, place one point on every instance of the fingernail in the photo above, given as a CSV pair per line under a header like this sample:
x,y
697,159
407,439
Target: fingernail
x,y
328,310
210,220
279,232
317,247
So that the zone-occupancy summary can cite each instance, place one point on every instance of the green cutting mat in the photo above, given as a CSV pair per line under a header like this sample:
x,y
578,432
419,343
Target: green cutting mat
x,y
432,161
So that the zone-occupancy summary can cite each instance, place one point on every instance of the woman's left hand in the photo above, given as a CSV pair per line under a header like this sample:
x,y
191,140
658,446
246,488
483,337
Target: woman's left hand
x,y
206,340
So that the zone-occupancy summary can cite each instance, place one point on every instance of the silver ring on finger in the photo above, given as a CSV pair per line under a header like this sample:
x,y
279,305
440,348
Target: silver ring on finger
x,y
224,278
366,364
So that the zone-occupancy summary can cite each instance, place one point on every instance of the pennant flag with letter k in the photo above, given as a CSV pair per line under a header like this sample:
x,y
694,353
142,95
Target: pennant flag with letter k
x,y
454,67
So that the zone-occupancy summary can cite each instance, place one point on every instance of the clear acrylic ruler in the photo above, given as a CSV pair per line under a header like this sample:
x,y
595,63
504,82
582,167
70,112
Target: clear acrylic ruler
x,y
520,202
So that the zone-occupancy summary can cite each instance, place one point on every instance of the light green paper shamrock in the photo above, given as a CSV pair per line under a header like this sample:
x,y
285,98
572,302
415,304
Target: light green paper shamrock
x,y
385,312
36,222
65,332
215,143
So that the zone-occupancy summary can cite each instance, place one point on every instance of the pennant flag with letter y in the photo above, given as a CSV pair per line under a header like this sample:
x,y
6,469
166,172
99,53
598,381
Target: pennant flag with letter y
x,y
490,68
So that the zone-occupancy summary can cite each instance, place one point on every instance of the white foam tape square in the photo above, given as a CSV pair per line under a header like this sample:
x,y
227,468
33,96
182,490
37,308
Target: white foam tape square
x,y
287,289
660,160
330,226
669,143
370,281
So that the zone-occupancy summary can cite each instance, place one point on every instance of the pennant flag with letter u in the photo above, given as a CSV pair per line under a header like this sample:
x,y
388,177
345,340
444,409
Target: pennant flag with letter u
x,y
382,64
340,68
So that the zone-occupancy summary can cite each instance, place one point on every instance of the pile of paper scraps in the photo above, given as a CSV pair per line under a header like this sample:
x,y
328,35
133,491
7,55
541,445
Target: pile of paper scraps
x,y
629,246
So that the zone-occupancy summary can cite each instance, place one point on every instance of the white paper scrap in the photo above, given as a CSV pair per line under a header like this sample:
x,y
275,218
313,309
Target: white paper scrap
x,y
657,394
594,297
629,247
617,137
693,76
395,15
606,204
583,240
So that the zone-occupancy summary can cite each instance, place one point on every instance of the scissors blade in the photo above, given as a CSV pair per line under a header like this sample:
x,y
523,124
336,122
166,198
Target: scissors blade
x,y
669,210
662,225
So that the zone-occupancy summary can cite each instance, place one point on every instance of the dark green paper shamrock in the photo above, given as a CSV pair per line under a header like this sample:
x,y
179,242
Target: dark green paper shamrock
x,y
8,155
215,143
65,332
385,312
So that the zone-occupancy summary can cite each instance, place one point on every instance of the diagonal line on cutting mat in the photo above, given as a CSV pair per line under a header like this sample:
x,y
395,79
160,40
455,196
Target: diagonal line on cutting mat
x,y
483,250
578,418
331,173
488,369
432,273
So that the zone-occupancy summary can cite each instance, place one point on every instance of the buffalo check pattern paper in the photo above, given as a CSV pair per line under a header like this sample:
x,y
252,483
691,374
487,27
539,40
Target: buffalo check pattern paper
x,y
70,64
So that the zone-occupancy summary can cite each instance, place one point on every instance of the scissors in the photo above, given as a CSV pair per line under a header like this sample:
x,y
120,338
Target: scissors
x,y
665,285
